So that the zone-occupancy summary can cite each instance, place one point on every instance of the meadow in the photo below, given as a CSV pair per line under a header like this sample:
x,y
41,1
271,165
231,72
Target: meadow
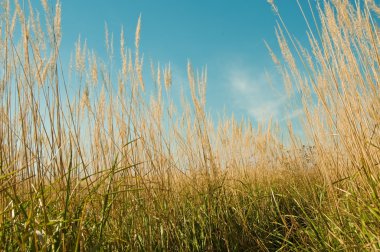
x,y
90,160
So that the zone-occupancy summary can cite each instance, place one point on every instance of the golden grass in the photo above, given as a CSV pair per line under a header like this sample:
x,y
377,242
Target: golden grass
x,y
106,168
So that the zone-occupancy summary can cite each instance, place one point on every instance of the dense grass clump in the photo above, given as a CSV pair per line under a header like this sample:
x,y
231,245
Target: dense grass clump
x,y
88,162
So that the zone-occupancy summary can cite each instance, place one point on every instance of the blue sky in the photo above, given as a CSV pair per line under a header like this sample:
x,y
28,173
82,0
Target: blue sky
x,y
227,36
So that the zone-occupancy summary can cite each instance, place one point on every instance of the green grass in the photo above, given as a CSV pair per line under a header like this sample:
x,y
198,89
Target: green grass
x,y
283,213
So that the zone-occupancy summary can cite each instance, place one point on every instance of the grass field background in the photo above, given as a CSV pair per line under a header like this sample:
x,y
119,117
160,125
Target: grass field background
x,y
89,160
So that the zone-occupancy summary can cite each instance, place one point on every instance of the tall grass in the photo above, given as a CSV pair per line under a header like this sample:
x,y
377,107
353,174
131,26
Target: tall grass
x,y
92,161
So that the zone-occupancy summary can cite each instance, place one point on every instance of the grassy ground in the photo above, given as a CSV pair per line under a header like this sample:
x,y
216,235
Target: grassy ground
x,y
113,167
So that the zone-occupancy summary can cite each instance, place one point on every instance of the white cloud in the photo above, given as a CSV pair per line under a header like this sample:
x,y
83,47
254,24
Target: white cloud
x,y
261,97
271,108
294,114
241,82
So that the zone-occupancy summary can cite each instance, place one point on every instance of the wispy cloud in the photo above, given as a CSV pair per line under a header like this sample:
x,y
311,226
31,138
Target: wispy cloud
x,y
293,114
260,95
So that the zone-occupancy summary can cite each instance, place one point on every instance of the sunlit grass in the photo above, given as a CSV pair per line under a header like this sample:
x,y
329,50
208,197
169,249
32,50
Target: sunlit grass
x,y
91,161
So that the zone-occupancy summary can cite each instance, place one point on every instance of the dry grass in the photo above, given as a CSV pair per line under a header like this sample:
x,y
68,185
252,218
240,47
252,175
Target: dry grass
x,y
109,168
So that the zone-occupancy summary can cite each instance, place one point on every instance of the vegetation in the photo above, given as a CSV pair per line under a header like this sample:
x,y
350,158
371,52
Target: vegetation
x,y
106,167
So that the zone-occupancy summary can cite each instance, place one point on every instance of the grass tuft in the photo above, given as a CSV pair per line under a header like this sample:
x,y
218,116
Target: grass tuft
x,y
110,166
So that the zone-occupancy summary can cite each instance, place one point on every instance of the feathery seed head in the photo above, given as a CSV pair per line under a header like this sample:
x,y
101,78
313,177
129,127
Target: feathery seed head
x,y
57,23
167,77
137,36
45,5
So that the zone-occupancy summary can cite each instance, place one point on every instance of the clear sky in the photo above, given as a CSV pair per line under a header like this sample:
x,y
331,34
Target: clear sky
x,y
227,36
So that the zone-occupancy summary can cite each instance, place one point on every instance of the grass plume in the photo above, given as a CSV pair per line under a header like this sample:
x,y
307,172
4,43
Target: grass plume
x,y
109,168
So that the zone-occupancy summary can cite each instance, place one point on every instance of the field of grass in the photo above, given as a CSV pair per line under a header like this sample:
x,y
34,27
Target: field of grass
x,y
90,161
